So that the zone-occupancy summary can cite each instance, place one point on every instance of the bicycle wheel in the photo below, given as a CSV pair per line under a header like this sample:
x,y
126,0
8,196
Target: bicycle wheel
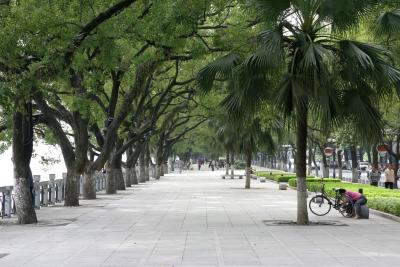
x,y
345,206
319,205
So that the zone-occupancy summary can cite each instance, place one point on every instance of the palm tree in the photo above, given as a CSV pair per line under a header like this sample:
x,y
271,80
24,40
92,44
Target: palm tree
x,y
324,72
319,71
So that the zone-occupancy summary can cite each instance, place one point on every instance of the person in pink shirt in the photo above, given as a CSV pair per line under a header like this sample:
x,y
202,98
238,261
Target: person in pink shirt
x,y
357,198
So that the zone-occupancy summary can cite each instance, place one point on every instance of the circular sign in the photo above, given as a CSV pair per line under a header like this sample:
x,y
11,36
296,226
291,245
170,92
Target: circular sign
x,y
381,149
328,151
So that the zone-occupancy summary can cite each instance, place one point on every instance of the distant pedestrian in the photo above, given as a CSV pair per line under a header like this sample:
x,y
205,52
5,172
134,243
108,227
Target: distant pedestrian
x,y
389,177
374,176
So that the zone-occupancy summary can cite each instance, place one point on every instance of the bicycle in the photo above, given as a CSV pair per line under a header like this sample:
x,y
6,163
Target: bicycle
x,y
321,204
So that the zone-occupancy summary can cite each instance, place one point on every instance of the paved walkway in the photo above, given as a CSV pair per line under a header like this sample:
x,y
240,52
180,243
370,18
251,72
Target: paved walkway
x,y
195,219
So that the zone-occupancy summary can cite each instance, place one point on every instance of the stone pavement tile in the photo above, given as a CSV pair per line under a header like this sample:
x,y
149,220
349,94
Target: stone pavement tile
x,y
279,260
358,261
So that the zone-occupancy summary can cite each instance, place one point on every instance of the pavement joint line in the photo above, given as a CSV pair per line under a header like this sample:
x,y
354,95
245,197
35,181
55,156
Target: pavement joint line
x,y
119,246
252,247
184,247
186,211
150,251
220,256
288,249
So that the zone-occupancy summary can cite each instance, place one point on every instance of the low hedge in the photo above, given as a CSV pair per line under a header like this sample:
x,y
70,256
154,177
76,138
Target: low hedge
x,y
269,173
386,204
279,176
293,182
283,179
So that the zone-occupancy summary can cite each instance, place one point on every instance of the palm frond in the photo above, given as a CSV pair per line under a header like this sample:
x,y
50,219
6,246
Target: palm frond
x,y
314,55
343,14
291,94
270,55
221,68
246,95
388,23
271,9
360,54
357,105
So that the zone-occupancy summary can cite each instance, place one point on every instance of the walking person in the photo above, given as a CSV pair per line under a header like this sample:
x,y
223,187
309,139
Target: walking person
x,y
389,177
374,176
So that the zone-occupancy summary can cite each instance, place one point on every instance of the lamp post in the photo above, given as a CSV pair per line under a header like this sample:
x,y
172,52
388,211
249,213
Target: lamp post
x,y
333,144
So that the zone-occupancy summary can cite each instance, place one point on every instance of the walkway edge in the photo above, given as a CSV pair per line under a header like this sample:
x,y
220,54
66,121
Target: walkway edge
x,y
385,215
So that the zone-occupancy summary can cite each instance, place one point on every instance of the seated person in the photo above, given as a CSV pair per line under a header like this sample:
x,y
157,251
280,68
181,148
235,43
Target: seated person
x,y
357,198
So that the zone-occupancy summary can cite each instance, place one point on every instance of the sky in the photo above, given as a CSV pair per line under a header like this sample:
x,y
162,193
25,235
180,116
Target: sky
x,y
38,168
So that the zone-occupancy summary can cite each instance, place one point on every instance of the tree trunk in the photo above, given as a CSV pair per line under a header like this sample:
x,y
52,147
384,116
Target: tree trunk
x,y
158,171
71,188
119,177
354,164
232,167
315,163
396,160
22,146
301,140
248,171
134,176
116,165
325,166
146,164
89,184
142,176
340,165
309,161
131,161
128,177
173,163
111,184
161,166
374,156
227,164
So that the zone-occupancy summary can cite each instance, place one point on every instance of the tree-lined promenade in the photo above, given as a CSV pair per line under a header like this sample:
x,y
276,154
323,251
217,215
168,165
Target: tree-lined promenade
x,y
116,84
195,219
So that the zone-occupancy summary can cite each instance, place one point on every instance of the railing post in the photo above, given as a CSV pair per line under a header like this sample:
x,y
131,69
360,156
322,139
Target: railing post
x,y
64,178
7,201
2,204
52,189
45,193
36,189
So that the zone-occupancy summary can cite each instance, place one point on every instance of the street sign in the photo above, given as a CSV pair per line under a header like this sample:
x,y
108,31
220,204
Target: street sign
x,y
381,150
328,151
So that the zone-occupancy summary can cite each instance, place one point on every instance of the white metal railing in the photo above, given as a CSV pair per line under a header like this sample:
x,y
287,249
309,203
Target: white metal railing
x,y
45,193
49,192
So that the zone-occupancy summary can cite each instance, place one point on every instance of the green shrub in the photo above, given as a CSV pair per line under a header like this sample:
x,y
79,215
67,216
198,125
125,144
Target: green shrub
x,y
283,179
386,204
293,182
268,173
